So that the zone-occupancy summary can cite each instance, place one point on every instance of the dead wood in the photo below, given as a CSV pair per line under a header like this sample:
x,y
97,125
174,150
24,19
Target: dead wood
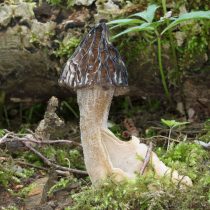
x,y
28,141
147,159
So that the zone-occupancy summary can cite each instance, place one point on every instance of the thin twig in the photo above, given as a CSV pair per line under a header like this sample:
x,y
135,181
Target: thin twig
x,y
160,137
60,172
60,141
31,165
169,137
63,173
49,163
4,138
147,158
10,136
10,132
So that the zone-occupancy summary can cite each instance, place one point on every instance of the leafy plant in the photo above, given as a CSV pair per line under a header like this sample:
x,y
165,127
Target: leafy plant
x,y
172,124
34,39
148,192
24,191
25,173
61,3
11,173
144,22
54,2
206,136
5,176
76,159
60,155
10,207
138,195
2,132
116,129
61,184
67,48
124,195
185,157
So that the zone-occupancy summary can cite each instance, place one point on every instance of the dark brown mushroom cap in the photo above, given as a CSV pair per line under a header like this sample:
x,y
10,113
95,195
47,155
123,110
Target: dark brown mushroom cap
x,y
95,62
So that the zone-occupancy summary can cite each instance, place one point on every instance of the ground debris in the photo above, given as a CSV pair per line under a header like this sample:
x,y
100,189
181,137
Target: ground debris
x,y
132,130
203,144
51,121
36,194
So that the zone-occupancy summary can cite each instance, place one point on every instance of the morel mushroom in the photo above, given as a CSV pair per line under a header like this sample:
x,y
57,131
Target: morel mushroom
x,y
97,72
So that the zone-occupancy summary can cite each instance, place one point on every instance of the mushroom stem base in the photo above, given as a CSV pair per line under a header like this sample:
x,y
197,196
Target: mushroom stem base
x,y
105,155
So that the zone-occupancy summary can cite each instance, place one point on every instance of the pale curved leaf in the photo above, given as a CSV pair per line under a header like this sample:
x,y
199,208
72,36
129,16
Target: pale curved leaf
x,y
124,21
142,27
188,16
173,123
147,14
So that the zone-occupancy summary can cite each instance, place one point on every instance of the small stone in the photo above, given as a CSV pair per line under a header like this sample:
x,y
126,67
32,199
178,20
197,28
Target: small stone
x,y
5,15
44,11
180,37
38,186
72,24
43,31
36,194
84,2
180,108
182,9
44,207
79,16
106,11
26,36
191,114
19,186
24,10
110,5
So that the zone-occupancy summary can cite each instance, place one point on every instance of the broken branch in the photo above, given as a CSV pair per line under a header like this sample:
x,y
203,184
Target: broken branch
x,y
49,163
10,136
147,159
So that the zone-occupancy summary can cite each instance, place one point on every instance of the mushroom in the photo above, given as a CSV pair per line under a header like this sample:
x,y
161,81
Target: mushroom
x,y
97,72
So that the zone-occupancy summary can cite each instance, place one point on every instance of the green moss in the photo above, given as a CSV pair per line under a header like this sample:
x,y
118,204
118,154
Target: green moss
x,y
186,157
195,46
148,192
61,184
205,136
10,207
6,176
60,155
67,48
62,3
10,173
132,47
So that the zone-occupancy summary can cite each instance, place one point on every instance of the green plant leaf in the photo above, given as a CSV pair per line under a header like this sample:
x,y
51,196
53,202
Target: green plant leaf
x,y
124,21
142,27
188,16
147,14
2,132
173,123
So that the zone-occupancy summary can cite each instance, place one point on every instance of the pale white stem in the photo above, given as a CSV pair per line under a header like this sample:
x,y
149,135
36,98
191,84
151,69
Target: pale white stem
x,y
105,155
94,105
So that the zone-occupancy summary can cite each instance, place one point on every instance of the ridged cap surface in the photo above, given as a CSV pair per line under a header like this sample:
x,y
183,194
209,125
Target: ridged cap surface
x,y
95,62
